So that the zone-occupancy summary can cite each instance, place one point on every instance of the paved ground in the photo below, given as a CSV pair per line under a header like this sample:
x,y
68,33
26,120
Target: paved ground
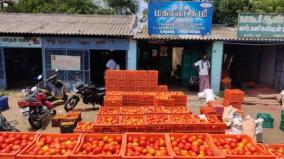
x,y
274,135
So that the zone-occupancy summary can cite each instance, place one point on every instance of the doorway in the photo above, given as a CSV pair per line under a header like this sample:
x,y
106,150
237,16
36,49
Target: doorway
x,y
22,66
98,60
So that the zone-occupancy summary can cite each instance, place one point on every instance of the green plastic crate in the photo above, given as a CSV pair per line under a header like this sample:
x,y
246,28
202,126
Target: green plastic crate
x,y
268,120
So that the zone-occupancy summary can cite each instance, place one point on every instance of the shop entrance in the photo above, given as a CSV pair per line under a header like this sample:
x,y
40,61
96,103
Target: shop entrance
x,y
98,60
22,66
249,66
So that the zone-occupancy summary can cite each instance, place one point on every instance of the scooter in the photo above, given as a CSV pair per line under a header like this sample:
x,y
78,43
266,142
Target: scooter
x,y
36,108
89,93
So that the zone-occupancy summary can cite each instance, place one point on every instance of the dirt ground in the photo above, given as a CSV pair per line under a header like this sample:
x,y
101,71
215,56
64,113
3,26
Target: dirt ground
x,y
274,135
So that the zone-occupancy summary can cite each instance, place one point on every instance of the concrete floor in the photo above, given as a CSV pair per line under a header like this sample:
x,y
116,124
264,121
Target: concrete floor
x,y
274,135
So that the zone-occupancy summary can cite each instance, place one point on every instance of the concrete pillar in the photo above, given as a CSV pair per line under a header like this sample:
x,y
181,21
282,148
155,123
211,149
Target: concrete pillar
x,y
132,55
216,65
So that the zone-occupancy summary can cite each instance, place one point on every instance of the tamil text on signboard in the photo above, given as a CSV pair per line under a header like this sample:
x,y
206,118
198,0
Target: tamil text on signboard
x,y
261,25
30,42
179,18
64,62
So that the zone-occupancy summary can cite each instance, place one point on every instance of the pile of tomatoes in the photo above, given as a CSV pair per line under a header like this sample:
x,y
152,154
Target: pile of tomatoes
x,y
13,142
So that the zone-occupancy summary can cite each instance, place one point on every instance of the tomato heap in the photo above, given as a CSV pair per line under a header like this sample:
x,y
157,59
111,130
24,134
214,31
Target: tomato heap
x,y
110,110
146,146
190,145
104,145
133,120
108,120
13,142
277,150
210,119
85,126
158,119
49,145
237,146
176,110
155,109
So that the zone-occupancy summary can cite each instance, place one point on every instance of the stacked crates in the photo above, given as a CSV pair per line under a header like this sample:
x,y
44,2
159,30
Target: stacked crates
x,y
267,120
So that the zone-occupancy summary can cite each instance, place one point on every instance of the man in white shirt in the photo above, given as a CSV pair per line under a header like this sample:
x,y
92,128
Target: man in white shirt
x,y
111,64
203,67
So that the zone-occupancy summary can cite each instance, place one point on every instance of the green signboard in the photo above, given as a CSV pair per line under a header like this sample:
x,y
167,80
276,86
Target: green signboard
x,y
261,25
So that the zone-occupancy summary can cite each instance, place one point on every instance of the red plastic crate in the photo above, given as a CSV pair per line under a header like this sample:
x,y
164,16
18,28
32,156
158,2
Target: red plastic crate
x,y
13,155
264,156
217,154
110,127
97,137
154,110
139,124
85,127
234,95
112,101
177,110
158,123
183,123
213,125
207,110
109,110
25,153
132,110
234,104
270,148
148,135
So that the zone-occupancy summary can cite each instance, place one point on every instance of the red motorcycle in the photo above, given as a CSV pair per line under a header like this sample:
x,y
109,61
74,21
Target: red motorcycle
x,y
36,108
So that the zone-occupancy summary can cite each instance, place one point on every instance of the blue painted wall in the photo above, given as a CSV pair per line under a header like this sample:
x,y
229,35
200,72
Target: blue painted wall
x,y
216,66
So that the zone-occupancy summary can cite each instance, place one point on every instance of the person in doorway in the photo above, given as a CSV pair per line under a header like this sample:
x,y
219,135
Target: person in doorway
x,y
111,64
177,73
203,67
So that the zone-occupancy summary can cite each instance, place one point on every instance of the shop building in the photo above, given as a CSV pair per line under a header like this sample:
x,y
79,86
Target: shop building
x,y
256,60
78,45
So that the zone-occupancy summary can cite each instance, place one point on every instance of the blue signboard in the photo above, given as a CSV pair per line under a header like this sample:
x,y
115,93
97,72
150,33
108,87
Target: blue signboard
x,y
179,18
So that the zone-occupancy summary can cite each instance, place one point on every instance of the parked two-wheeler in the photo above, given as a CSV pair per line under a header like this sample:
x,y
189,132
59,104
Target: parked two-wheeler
x,y
89,93
36,108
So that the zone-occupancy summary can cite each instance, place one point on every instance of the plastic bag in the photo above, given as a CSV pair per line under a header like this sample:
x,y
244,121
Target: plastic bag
x,y
259,130
249,126
228,115
201,95
209,95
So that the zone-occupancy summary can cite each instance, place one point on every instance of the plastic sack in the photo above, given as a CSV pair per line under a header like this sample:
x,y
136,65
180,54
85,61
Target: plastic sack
x,y
259,130
201,95
249,126
209,95
228,115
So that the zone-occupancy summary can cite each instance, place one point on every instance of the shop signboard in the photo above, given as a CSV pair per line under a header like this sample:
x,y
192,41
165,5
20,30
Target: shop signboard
x,y
179,17
65,62
261,25
26,42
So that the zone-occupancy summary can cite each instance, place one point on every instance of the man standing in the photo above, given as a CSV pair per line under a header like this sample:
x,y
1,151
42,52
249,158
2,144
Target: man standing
x,y
111,64
203,67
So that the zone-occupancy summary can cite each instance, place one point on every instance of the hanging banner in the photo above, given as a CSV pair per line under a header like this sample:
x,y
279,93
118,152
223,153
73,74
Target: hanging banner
x,y
179,18
29,42
65,62
261,25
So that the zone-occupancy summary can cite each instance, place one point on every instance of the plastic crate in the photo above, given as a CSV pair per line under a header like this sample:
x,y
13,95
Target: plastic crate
x,y
25,154
271,148
103,127
67,127
154,110
177,110
4,104
132,110
183,123
264,156
14,154
236,105
139,126
97,137
109,110
217,154
207,110
85,127
268,120
234,95
158,123
148,135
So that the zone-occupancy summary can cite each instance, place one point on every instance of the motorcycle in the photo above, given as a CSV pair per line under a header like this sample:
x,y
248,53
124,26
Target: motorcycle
x,y
89,93
36,108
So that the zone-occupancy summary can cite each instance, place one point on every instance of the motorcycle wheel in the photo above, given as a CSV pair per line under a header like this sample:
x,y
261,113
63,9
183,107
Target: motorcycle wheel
x,y
35,122
71,103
